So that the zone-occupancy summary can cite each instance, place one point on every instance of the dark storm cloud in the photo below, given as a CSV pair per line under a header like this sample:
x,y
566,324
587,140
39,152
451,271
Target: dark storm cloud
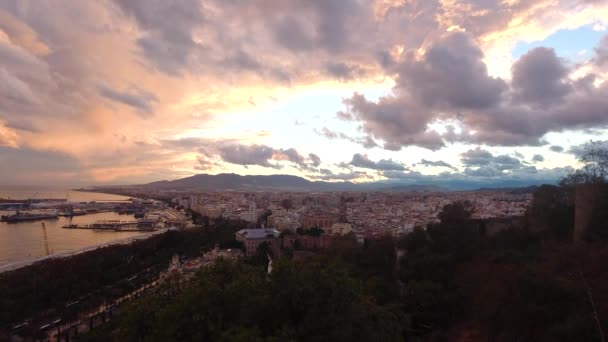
x,y
437,163
139,99
362,161
540,77
556,148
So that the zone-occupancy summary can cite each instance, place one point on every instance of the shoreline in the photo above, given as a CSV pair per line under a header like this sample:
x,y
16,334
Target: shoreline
x,y
11,266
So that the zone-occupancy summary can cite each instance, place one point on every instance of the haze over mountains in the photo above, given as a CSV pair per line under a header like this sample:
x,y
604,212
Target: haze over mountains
x,y
231,181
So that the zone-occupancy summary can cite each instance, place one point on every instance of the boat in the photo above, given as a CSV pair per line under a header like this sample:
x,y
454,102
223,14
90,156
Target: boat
x,y
69,212
22,217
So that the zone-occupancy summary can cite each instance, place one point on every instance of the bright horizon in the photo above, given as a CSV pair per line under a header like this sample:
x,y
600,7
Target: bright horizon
x,y
125,92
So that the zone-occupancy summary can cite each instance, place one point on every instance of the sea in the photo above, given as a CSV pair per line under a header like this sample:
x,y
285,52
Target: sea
x,y
26,242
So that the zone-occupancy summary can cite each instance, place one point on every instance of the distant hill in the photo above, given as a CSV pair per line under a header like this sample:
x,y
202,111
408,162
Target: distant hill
x,y
231,181
235,182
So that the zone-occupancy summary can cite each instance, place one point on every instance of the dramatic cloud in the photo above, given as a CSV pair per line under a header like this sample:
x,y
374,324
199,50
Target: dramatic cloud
x,y
250,155
450,81
139,99
451,75
556,148
538,158
328,175
362,161
476,157
113,86
601,52
315,160
488,163
366,141
540,78
394,120
484,171
438,163
8,138
580,150
168,31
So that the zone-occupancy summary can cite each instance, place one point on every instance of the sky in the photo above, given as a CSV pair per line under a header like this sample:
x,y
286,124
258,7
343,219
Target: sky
x,y
413,91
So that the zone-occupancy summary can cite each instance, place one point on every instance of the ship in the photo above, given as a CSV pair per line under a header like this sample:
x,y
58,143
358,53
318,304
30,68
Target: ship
x,y
22,217
69,212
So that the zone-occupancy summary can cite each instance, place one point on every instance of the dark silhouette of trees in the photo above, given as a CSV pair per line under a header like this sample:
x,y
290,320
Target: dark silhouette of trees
x,y
287,204
552,210
314,231
595,166
456,212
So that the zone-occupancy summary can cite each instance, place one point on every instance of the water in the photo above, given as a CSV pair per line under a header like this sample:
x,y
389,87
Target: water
x,y
24,241
71,195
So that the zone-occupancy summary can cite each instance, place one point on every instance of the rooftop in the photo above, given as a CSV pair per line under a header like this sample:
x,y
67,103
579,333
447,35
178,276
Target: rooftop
x,y
254,234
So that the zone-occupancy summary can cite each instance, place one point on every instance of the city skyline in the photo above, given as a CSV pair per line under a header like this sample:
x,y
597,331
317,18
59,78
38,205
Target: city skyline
x,y
124,92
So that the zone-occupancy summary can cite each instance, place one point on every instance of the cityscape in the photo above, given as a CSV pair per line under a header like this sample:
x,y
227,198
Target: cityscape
x,y
303,170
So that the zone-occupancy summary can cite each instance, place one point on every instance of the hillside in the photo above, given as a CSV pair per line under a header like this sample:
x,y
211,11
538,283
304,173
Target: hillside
x,y
231,181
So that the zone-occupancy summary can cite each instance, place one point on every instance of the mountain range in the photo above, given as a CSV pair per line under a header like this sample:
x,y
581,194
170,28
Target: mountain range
x,y
235,182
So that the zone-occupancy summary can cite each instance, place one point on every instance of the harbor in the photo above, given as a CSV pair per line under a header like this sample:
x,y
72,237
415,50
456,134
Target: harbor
x,y
120,226
25,241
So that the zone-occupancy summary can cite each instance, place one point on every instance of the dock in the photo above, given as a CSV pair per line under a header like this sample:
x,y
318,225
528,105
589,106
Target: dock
x,y
114,225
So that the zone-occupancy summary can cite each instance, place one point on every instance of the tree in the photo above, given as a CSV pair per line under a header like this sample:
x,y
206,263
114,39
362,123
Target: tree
x,y
287,204
595,166
456,212
552,209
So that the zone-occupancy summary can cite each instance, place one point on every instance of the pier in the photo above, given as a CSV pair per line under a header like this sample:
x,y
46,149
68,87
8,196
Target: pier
x,y
114,225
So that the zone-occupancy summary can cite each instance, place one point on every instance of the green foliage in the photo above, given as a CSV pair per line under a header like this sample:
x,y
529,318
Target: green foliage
x,y
536,308
552,209
236,302
456,212
598,225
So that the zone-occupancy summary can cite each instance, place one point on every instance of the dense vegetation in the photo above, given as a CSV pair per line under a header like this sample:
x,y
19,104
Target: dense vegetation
x,y
43,291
